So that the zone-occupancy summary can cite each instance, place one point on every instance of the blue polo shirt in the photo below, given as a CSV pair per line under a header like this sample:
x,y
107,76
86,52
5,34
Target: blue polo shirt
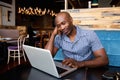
x,y
86,42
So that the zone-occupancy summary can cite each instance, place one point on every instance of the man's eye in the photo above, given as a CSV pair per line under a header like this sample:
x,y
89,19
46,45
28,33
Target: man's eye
x,y
63,23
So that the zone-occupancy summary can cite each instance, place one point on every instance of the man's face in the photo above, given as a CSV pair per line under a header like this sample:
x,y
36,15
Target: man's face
x,y
64,24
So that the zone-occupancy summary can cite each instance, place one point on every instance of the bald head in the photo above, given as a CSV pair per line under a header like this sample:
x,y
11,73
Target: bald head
x,y
64,15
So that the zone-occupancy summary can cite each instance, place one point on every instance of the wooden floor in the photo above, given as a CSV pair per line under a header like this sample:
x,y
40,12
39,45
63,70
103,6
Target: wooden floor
x,y
5,67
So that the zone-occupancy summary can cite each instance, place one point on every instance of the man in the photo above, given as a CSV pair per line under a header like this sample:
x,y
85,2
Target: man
x,y
81,48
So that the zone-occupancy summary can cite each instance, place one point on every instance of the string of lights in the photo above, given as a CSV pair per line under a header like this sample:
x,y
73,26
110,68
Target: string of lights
x,y
35,11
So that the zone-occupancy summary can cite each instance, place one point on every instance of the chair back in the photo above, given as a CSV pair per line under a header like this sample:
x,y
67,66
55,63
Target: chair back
x,y
17,51
20,42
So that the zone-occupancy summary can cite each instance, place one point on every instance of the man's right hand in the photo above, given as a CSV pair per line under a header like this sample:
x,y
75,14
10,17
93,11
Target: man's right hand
x,y
56,31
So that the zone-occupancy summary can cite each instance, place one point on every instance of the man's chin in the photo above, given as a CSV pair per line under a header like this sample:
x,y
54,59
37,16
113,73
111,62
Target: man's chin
x,y
67,33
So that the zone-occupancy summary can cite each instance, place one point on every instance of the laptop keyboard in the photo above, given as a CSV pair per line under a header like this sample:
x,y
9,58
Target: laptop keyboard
x,y
60,70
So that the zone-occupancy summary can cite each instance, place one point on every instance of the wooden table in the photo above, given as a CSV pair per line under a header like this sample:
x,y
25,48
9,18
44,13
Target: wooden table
x,y
26,72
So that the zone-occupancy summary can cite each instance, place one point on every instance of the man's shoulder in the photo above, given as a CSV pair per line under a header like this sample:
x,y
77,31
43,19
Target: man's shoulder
x,y
84,31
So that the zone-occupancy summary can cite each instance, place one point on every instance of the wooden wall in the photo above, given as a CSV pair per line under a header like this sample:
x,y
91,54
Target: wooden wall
x,y
96,17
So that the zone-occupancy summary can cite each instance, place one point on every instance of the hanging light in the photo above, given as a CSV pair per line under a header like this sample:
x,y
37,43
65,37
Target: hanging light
x,y
36,11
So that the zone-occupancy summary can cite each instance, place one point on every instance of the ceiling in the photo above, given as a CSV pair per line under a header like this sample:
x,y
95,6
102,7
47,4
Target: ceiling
x,y
55,5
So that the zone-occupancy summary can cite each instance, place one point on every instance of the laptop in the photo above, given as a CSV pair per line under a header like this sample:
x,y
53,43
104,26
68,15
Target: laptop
x,y
42,59
35,74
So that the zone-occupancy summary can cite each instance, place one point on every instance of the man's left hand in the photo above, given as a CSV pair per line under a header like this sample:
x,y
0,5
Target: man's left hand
x,y
70,62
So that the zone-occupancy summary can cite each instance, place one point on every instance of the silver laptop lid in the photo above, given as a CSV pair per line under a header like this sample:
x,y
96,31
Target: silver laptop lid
x,y
41,59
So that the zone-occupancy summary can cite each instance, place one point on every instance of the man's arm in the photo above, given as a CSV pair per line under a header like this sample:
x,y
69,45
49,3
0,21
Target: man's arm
x,y
100,59
50,45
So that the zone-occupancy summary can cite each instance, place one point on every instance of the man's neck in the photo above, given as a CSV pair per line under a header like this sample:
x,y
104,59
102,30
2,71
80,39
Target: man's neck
x,y
73,34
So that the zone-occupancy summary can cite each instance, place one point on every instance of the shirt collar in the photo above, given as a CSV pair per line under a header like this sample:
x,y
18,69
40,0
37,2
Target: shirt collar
x,y
79,34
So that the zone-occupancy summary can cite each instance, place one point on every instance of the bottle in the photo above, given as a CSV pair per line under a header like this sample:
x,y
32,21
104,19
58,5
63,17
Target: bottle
x,y
89,4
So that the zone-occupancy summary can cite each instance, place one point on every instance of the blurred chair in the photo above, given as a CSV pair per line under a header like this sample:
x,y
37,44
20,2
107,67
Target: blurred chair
x,y
38,43
17,51
44,38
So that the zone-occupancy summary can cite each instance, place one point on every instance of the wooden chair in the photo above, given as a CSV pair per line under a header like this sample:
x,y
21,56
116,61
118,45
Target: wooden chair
x,y
38,43
44,38
17,51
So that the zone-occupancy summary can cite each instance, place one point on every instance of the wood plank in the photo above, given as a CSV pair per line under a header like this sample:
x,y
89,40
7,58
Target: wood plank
x,y
103,17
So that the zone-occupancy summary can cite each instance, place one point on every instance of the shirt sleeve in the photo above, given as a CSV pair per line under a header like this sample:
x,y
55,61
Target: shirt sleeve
x,y
95,42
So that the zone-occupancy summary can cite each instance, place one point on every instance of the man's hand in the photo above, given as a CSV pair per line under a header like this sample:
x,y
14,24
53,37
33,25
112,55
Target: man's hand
x,y
55,32
73,63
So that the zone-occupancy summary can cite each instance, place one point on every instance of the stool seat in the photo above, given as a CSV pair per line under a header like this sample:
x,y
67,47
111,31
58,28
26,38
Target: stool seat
x,y
13,47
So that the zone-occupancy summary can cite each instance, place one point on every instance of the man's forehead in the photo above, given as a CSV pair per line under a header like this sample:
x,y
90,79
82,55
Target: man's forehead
x,y
60,18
